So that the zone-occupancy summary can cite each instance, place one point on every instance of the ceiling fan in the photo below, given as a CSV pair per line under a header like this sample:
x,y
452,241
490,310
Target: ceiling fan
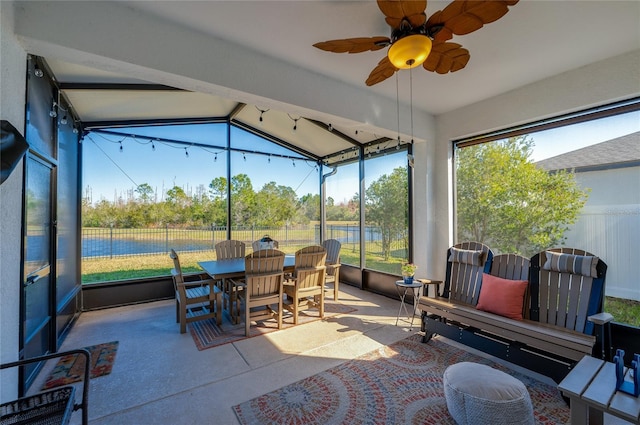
x,y
416,40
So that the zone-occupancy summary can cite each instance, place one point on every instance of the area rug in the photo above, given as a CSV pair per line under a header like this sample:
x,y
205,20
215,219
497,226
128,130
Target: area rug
x,y
207,333
396,384
70,368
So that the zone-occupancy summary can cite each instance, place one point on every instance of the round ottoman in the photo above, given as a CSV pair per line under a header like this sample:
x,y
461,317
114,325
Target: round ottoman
x,y
478,394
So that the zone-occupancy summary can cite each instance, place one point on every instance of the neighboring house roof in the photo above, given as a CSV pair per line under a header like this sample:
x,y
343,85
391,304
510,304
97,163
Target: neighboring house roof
x,y
615,153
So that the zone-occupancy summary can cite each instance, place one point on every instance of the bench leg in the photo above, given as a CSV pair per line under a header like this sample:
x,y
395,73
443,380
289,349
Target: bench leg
x,y
425,328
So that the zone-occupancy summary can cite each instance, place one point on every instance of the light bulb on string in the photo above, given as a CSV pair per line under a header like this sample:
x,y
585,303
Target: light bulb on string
x,y
244,157
37,71
186,152
215,158
261,119
63,120
153,146
269,159
53,113
121,148
293,162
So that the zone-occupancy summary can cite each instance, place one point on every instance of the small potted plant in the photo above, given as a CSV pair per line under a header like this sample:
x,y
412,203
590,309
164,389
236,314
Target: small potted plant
x,y
408,271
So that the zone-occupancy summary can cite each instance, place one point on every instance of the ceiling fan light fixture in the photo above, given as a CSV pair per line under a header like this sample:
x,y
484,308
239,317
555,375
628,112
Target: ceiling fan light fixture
x,y
410,51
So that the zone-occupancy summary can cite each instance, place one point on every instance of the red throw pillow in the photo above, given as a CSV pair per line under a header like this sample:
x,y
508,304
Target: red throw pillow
x,y
502,296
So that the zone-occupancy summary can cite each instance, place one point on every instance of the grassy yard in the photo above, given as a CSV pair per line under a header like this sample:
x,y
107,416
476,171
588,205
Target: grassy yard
x,y
123,268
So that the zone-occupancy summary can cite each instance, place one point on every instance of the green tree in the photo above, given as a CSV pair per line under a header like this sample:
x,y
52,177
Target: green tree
x,y
387,205
145,193
506,202
243,200
275,205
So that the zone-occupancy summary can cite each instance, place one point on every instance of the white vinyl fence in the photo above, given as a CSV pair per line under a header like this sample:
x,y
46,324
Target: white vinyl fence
x,y
613,234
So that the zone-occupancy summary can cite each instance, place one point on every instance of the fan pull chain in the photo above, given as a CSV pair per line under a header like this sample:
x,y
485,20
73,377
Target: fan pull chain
x,y
411,99
398,109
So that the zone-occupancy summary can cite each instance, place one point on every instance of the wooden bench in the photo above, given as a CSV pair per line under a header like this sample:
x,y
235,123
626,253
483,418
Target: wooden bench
x,y
554,333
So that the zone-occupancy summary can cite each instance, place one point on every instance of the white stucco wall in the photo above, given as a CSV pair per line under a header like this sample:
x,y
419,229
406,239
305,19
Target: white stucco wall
x,y
12,87
596,84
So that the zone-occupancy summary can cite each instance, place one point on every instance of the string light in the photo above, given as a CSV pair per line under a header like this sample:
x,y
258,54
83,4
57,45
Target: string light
x,y
64,121
37,71
215,158
269,159
295,122
330,128
293,162
186,152
153,146
262,111
53,113
121,148
244,157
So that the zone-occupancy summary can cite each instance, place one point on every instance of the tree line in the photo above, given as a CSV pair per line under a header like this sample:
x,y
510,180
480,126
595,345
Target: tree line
x,y
272,205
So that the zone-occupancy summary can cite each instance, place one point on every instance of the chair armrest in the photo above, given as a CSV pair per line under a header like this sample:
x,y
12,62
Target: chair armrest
x,y
196,277
194,283
86,375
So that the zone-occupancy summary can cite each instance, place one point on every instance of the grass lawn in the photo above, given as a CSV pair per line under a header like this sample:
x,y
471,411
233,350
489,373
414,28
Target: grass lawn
x,y
125,268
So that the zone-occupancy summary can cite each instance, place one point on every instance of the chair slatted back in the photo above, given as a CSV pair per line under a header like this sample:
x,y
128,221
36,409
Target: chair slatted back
x,y
332,246
310,266
564,297
466,262
176,272
513,267
227,250
263,272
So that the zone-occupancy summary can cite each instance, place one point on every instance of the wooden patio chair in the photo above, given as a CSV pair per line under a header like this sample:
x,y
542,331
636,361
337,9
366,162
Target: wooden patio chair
x,y
306,288
262,286
464,271
197,299
227,250
332,274
568,286
514,267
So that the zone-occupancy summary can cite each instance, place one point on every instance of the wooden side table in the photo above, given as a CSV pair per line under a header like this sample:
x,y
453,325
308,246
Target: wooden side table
x,y
591,388
426,283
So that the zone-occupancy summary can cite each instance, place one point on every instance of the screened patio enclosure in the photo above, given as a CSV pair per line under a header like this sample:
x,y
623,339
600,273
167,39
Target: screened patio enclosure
x,y
333,163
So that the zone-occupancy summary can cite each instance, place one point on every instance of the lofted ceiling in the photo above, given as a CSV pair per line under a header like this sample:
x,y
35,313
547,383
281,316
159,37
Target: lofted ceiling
x,y
536,39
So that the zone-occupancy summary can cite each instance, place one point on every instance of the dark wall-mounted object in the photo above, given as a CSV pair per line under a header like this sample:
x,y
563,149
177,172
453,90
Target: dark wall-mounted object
x,y
12,148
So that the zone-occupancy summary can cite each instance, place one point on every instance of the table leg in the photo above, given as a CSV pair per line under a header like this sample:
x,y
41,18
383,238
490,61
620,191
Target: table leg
x,y
402,295
579,411
416,295
596,416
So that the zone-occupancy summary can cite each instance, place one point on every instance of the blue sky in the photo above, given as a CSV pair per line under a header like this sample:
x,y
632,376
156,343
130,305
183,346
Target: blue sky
x,y
111,172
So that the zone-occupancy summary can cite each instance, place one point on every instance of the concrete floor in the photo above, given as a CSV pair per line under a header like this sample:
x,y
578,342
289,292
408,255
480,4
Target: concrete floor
x,y
159,376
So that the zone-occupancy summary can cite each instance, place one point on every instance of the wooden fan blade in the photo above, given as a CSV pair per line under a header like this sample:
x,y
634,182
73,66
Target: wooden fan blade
x,y
466,16
396,10
354,45
446,57
384,70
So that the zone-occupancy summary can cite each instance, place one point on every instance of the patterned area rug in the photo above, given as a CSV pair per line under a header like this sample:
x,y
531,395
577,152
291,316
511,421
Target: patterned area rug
x,y
396,384
207,334
70,368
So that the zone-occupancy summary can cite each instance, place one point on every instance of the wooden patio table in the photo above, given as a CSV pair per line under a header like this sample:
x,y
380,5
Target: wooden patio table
x,y
234,269
591,388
